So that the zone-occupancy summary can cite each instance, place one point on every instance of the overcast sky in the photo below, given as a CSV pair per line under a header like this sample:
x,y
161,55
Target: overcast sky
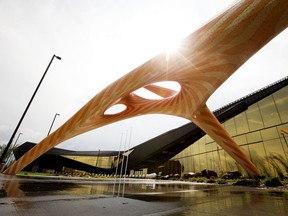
x,y
100,41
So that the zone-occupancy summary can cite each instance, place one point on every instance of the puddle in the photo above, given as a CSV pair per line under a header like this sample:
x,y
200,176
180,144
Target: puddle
x,y
195,199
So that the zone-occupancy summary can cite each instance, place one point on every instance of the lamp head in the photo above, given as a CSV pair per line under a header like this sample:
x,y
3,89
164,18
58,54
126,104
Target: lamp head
x,y
58,57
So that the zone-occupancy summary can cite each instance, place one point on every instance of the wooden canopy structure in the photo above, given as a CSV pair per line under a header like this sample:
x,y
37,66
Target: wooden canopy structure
x,y
204,61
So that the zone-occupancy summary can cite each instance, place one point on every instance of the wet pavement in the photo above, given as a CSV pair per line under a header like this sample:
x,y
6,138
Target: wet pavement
x,y
23,195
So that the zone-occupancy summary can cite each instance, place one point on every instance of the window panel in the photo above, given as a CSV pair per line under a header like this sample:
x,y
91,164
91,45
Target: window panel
x,y
194,148
216,163
281,100
240,139
274,146
197,163
269,134
202,140
187,164
202,145
284,137
222,159
210,160
269,112
254,137
254,118
202,162
230,127
241,123
194,163
257,151
209,147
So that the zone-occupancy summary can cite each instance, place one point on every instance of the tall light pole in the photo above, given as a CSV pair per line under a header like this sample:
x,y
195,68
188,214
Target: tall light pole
x,y
57,114
22,117
16,140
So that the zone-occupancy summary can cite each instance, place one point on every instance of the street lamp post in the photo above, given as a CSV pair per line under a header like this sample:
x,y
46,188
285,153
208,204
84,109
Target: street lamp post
x,y
15,144
22,117
57,114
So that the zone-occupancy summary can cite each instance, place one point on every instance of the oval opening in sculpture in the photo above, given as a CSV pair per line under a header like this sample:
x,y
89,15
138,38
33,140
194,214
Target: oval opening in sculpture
x,y
115,109
159,90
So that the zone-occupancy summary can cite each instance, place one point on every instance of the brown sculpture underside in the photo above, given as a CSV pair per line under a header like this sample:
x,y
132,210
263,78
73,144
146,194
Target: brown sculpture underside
x,y
204,61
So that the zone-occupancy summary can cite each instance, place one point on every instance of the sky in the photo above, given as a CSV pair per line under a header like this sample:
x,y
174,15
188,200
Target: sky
x,y
99,41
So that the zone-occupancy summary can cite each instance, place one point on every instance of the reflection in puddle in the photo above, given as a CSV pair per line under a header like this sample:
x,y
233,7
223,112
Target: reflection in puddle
x,y
10,186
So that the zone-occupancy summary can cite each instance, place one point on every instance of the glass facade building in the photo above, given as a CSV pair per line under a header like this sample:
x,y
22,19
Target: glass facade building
x,y
259,131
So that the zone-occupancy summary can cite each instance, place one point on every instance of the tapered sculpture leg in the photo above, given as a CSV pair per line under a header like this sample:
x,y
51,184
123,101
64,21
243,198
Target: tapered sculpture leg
x,y
34,153
209,123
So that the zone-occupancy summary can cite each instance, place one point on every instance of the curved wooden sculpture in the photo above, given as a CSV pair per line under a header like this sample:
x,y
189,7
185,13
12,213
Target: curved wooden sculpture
x,y
204,61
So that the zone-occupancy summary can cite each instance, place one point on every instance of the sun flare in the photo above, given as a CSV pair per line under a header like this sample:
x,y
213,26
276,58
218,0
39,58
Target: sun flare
x,y
170,47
